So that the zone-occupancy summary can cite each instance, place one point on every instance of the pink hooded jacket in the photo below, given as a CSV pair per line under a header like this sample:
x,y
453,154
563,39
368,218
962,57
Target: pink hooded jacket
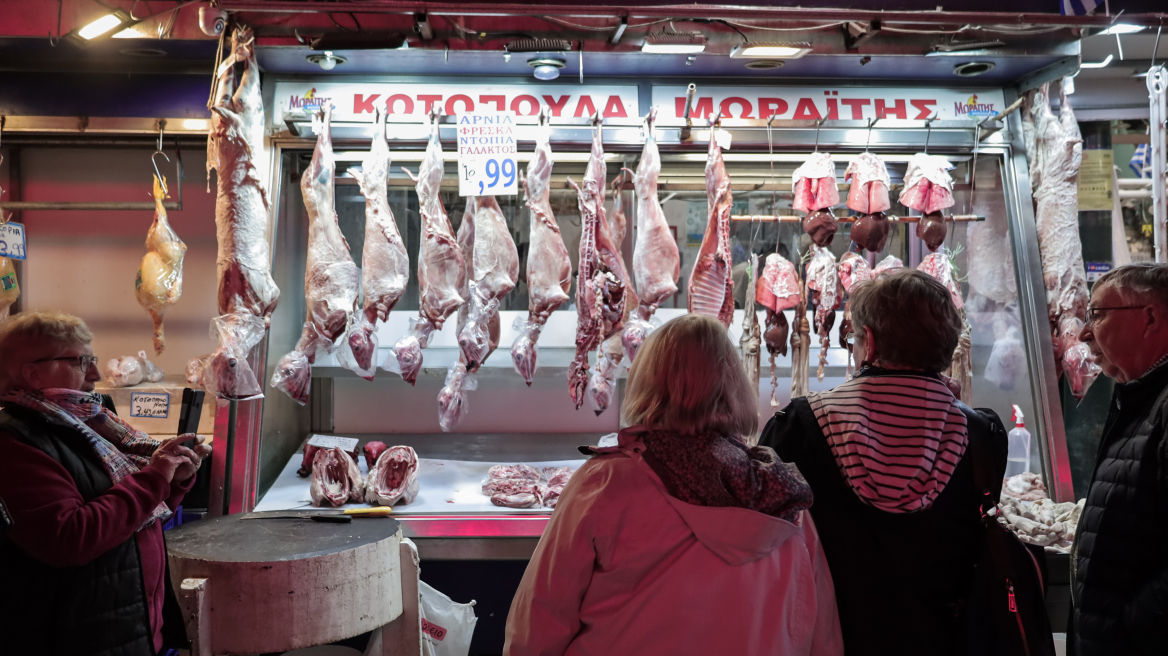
x,y
625,568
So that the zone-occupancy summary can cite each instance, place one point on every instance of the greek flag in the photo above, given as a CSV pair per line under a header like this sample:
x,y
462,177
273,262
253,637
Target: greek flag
x,y
1141,161
1078,7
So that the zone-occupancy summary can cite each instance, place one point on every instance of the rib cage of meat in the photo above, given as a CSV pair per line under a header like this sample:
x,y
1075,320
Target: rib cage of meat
x,y
823,280
869,191
928,187
441,268
656,261
492,274
394,477
159,282
711,287
385,264
601,280
602,384
1055,158
813,184
336,479
549,268
246,290
332,281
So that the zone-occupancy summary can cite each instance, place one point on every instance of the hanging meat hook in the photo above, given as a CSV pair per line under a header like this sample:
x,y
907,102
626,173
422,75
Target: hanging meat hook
x,y
929,131
818,125
871,122
157,152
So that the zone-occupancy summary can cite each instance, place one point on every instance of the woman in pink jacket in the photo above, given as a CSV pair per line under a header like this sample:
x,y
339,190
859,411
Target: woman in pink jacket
x,y
681,539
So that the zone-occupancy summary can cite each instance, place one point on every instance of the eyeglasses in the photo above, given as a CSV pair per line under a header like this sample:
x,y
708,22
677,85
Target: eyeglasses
x,y
1093,312
850,340
82,362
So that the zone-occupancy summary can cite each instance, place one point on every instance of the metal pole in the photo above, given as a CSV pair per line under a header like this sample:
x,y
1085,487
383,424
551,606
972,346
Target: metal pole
x,y
1157,82
229,454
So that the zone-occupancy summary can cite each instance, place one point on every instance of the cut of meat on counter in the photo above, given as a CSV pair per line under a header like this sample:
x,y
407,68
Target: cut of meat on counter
x,y
247,294
1055,153
332,281
310,452
656,261
601,281
372,451
778,289
336,480
823,286
711,285
549,268
524,486
393,478
441,267
385,264
158,284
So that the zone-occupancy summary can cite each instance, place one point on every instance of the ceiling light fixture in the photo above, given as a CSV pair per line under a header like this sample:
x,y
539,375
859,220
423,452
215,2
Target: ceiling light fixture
x,y
673,43
770,50
1123,28
1102,64
973,69
546,68
102,28
328,61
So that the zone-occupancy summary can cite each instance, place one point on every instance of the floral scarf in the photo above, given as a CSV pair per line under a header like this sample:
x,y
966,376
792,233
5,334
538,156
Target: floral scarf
x,y
122,449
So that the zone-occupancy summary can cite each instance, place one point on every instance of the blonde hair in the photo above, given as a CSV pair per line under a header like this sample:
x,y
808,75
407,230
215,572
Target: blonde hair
x,y
30,336
688,378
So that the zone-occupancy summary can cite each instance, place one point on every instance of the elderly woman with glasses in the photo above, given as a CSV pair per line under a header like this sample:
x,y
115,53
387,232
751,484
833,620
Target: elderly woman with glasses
x,y
83,565
887,457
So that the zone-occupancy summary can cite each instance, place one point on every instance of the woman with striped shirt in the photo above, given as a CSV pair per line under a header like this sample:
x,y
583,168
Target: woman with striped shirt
x,y
884,453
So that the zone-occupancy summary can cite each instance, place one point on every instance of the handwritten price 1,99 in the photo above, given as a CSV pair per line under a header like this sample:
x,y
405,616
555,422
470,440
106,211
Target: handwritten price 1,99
x,y
492,168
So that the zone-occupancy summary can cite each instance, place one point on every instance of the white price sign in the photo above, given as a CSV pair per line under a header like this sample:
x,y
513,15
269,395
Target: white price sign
x,y
486,155
155,405
12,241
330,441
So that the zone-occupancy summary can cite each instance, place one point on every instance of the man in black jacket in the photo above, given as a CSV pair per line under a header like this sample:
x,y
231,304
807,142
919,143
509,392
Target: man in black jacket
x,y
1119,568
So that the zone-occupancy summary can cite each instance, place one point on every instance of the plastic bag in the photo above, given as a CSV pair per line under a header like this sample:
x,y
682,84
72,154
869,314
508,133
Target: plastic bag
x,y
636,330
1007,360
405,358
195,368
447,626
524,354
227,373
131,370
150,371
452,401
357,351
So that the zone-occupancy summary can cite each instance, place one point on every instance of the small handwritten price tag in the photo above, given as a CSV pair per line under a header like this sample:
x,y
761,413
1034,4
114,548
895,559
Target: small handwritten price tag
x,y
486,155
12,241
330,441
155,405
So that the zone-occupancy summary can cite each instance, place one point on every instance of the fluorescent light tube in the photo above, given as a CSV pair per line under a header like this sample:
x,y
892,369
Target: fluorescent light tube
x,y
771,50
1101,64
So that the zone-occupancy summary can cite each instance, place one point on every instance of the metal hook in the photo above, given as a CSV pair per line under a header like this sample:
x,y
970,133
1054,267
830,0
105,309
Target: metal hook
x,y
818,125
544,116
871,122
597,119
157,172
161,129
716,121
929,131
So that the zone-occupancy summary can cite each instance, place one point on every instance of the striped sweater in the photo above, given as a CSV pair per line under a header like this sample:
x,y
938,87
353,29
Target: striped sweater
x,y
896,439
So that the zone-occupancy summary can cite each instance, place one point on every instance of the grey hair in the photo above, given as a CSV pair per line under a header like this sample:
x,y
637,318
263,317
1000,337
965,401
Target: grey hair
x,y
911,316
28,336
1138,281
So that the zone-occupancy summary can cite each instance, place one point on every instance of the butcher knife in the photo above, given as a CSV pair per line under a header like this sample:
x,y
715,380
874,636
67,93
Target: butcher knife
x,y
340,517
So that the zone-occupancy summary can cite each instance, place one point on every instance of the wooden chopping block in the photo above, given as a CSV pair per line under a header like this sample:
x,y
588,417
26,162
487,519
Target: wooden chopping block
x,y
273,585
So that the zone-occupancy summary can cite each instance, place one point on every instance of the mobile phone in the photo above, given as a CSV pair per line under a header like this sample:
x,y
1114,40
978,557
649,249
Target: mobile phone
x,y
189,415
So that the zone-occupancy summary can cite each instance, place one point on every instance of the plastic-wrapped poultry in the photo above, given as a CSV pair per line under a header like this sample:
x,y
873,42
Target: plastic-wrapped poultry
x,y
601,281
332,281
393,478
385,264
336,480
9,286
247,293
928,187
824,289
132,370
549,269
869,191
711,285
778,289
159,281
656,261
1055,159
441,269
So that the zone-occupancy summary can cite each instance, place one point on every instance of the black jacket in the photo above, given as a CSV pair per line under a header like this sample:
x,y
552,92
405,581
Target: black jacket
x,y
96,609
899,578
1120,565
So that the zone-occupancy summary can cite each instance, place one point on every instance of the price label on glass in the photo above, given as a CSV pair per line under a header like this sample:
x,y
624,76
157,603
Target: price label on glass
x,y
150,404
486,155
12,241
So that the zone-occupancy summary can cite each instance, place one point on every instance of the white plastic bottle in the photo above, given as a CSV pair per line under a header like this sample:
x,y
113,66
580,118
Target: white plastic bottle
x,y
1018,449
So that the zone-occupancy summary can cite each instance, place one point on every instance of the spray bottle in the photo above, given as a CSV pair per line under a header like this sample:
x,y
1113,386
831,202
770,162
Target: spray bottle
x,y
1018,450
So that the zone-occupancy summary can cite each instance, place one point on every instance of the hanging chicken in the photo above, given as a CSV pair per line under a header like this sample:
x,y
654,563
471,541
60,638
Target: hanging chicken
x,y
549,269
711,286
601,280
778,289
247,294
815,193
1055,158
441,268
158,284
868,197
823,287
332,281
385,264
656,261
